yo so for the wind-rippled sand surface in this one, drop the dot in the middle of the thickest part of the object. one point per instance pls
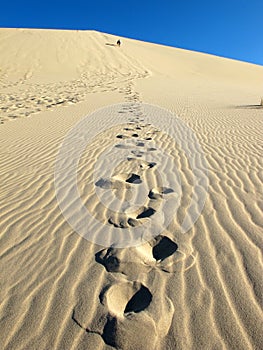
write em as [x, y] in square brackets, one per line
[196, 290]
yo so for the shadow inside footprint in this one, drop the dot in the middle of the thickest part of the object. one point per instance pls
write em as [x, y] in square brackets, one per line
[109, 261]
[164, 247]
[127, 297]
[139, 301]
[134, 179]
[104, 183]
[109, 331]
[123, 146]
[147, 212]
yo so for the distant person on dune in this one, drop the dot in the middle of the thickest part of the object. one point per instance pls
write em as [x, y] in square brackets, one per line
[118, 42]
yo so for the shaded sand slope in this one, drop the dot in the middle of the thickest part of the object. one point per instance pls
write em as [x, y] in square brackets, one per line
[196, 290]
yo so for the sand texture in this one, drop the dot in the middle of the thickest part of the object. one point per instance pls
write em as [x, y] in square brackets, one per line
[199, 289]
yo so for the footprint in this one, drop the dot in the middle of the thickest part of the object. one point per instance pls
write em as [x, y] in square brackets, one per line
[121, 189]
[126, 310]
[143, 164]
[161, 253]
[137, 153]
[146, 213]
[109, 259]
[158, 192]
[123, 146]
[127, 297]
[163, 248]
[130, 178]
[169, 258]
[147, 165]
[119, 222]
[129, 262]
[104, 183]
[122, 136]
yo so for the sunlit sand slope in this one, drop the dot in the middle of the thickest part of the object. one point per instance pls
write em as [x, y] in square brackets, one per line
[200, 289]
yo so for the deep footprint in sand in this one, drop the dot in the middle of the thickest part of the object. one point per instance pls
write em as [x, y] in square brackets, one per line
[126, 309]
[142, 164]
[123, 146]
[159, 192]
[145, 213]
[127, 297]
[137, 153]
[160, 253]
[120, 136]
[131, 178]
[163, 248]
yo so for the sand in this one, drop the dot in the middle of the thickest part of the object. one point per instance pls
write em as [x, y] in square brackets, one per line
[199, 289]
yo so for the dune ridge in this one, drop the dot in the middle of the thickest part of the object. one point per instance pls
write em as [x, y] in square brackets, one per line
[196, 290]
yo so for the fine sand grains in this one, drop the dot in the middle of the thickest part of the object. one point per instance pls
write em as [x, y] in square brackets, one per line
[201, 289]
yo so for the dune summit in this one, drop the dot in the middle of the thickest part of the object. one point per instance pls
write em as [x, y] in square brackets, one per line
[195, 289]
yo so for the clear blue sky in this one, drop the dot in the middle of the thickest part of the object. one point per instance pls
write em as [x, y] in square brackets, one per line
[229, 28]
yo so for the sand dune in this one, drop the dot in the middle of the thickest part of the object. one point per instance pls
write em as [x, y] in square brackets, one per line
[199, 289]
